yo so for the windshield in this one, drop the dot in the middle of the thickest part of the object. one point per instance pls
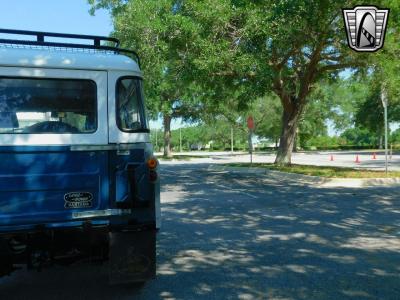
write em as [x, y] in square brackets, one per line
[47, 105]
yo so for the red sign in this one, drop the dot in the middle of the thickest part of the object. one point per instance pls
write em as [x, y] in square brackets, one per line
[250, 123]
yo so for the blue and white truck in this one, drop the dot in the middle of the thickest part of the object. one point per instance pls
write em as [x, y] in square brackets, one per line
[78, 178]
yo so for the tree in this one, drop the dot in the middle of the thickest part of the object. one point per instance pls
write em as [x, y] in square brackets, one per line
[317, 49]
[358, 136]
[281, 46]
[158, 33]
[312, 123]
[194, 135]
[395, 137]
[266, 112]
[370, 113]
[335, 103]
[383, 76]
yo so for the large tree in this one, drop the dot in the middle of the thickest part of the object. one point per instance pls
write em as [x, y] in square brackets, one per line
[157, 31]
[281, 46]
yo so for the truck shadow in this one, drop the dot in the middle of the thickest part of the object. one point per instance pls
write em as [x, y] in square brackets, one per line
[245, 236]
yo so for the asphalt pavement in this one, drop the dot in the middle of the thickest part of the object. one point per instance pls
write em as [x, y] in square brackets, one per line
[245, 236]
[359, 159]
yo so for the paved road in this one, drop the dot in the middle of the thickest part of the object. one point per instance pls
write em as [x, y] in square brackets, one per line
[234, 236]
[318, 158]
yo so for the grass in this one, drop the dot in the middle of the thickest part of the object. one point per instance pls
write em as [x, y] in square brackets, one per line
[323, 171]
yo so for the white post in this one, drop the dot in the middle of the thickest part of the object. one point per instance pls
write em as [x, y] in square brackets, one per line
[231, 140]
[251, 146]
[385, 104]
[180, 139]
[386, 141]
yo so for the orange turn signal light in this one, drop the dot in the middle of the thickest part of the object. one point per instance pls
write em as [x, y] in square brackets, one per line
[152, 163]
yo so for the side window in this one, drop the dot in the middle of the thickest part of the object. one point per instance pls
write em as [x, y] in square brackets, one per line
[45, 105]
[130, 115]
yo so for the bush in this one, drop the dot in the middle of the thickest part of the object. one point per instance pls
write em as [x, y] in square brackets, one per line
[360, 137]
[324, 142]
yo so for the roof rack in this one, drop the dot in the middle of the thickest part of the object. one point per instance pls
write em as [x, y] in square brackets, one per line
[40, 41]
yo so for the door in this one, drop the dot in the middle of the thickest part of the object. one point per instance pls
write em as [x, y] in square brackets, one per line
[42, 114]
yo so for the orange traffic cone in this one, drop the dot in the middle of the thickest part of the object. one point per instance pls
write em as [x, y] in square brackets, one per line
[357, 160]
[374, 155]
[331, 159]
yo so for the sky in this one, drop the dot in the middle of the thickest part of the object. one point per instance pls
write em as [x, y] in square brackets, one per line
[64, 16]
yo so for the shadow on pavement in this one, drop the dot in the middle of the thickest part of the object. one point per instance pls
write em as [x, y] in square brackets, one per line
[240, 236]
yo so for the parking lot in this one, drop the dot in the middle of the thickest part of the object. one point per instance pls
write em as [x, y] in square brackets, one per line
[373, 160]
[241, 236]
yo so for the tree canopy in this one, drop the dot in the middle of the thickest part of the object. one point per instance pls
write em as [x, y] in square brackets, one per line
[201, 62]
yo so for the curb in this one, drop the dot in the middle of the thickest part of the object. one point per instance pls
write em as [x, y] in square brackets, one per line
[315, 180]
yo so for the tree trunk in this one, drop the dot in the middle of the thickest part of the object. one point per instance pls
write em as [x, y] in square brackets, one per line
[295, 142]
[167, 136]
[290, 122]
